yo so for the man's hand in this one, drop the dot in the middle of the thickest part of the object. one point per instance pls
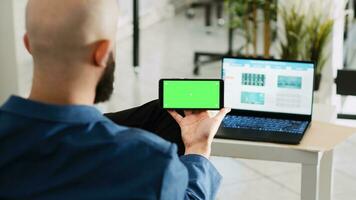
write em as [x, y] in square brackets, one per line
[198, 129]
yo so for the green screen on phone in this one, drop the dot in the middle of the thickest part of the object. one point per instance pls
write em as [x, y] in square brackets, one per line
[190, 94]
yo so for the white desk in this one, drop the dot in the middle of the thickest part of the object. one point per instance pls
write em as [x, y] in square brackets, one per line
[314, 153]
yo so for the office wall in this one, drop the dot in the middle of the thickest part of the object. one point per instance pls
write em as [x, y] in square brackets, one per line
[151, 12]
[8, 57]
[24, 59]
[179, 4]
[15, 62]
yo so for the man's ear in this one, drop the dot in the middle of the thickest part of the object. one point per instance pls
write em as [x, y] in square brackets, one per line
[26, 42]
[101, 53]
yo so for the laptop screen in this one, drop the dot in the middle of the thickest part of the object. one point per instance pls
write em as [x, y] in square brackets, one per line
[268, 85]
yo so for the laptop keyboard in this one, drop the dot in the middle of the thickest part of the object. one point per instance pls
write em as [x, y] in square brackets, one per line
[265, 124]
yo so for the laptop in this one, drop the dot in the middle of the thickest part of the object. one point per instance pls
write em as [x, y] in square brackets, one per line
[271, 100]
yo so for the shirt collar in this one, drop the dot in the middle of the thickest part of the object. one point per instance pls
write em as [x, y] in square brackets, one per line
[49, 112]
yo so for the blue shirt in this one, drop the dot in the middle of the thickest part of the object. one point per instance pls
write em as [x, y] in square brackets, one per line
[74, 152]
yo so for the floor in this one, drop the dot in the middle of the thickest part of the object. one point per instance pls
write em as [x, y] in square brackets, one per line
[167, 51]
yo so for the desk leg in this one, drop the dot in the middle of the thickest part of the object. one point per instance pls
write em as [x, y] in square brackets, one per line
[326, 176]
[310, 182]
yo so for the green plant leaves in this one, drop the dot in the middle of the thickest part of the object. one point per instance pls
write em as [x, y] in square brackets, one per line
[294, 33]
[304, 38]
[244, 17]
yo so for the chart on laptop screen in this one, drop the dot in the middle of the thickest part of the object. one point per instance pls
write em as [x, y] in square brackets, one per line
[269, 86]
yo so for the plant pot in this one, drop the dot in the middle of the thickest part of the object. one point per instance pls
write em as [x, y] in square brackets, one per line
[317, 80]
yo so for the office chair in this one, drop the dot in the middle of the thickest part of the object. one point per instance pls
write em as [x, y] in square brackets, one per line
[354, 8]
[208, 6]
[345, 86]
[204, 57]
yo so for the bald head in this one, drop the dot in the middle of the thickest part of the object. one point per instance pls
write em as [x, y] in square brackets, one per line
[68, 30]
[72, 44]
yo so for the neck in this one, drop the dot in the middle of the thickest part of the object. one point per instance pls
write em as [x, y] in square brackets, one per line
[61, 90]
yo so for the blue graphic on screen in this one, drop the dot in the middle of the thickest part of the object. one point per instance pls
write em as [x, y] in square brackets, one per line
[290, 82]
[253, 79]
[253, 98]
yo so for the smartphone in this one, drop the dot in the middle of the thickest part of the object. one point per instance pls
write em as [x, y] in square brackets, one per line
[191, 94]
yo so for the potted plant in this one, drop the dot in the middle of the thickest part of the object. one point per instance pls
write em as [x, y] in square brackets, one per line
[239, 20]
[245, 20]
[305, 38]
[270, 19]
[292, 33]
[318, 35]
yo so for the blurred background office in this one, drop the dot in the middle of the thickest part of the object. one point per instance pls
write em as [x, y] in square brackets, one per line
[186, 39]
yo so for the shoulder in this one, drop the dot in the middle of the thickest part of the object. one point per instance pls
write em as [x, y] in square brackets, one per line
[127, 137]
[148, 140]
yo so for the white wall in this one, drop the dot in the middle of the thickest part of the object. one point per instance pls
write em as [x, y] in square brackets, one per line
[24, 59]
[151, 11]
[15, 62]
[8, 57]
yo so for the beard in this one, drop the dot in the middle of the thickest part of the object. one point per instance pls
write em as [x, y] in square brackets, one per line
[105, 86]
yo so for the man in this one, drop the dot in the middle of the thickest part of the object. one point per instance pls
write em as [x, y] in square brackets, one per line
[55, 145]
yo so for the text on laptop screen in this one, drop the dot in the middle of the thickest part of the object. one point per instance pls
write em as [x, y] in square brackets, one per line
[268, 86]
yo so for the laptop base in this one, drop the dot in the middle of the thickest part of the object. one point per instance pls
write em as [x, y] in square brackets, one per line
[258, 136]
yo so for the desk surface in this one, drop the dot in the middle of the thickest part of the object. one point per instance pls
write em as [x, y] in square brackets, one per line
[319, 138]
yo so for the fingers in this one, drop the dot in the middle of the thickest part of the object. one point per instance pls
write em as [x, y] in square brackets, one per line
[222, 113]
[213, 113]
[194, 112]
[176, 116]
[188, 112]
[202, 113]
